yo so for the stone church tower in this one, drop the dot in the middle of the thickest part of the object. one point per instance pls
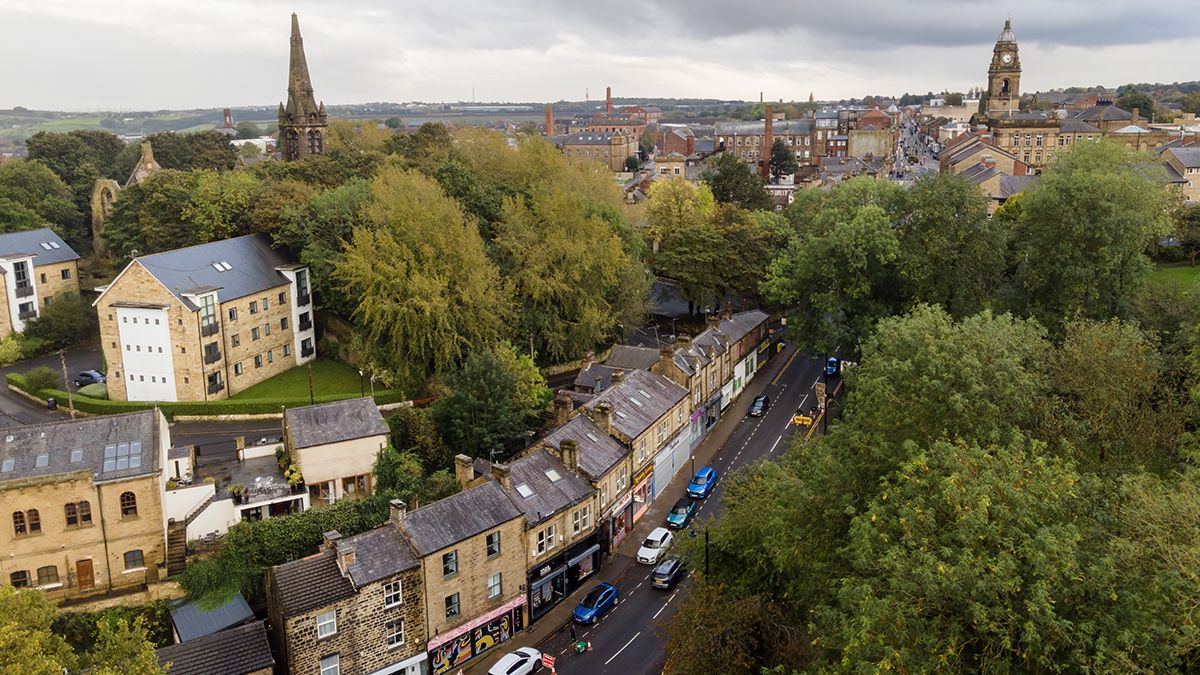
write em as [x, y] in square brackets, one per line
[1004, 76]
[302, 123]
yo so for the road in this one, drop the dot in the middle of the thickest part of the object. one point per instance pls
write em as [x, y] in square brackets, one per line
[630, 638]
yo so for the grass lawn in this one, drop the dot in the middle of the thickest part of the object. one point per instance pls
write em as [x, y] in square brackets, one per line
[1180, 274]
[329, 377]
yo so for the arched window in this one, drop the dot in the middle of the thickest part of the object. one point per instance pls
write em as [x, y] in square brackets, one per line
[85, 513]
[19, 579]
[1004, 86]
[128, 504]
[314, 143]
[72, 515]
[19, 525]
[35, 520]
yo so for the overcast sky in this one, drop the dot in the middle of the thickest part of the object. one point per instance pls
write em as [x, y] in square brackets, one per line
[153, 54]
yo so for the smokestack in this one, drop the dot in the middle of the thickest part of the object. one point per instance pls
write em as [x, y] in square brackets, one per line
[549, 120]
[768, 139]
[691, 145]
[608, 100]
[228, 119]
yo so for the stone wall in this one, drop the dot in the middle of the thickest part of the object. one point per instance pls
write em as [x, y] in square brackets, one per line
[471, 581]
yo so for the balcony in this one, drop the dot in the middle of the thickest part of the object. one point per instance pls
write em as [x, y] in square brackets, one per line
[303, 300]
[210, 329]
[214, 387]
[24, 291]
[306, 352]
[27, 314]
[305, 324]
[212, 356]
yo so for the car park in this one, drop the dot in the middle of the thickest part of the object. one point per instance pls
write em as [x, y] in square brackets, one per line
[518, 662]
[598, 601]
[681, 514]
[87, 377]
[702, 483]
[669, 572]
[654, 546]
[759, 406]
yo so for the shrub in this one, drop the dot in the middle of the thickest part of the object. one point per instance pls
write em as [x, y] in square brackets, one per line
[41, 378]
[80, 629]
[97, 390]
[62, 323]
[11, 349]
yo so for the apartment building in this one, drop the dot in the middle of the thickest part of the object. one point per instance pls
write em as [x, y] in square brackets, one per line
[205, 322]
[82, 503]
[36, 268]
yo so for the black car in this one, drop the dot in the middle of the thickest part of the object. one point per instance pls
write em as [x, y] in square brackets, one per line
[669, 572]
[88, 377]
[759, 406]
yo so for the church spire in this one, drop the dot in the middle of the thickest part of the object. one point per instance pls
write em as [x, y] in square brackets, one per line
[301, 121]
[300, 90]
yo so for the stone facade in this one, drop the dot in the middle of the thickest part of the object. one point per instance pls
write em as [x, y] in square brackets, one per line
[302, 122]
[610, 148]
[36, 268]
[57, 281]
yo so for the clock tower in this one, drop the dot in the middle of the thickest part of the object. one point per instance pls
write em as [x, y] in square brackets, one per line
[1004, 75]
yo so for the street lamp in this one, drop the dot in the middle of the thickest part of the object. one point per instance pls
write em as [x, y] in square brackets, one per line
[362, 387]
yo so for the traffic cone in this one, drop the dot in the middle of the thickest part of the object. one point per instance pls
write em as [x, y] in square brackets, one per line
[589, 647]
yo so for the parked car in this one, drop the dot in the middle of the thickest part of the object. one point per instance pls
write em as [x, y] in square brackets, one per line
[760, 405]
[832, 365]
[702, 483]
[681, 513]
[87, 377]
[655, 545]
[518, 662]
[669, 572]
[598, 601]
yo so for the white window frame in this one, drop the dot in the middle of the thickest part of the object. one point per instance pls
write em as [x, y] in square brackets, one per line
[390, 633]
[328, 667]
[495, 581]
[545, 540]
[324, 621]
[393, 594]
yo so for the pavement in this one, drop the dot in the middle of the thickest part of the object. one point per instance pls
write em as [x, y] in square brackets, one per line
[16, 410]
[630, 638]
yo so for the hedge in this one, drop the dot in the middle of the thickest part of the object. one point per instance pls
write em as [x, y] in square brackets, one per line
[262, 406]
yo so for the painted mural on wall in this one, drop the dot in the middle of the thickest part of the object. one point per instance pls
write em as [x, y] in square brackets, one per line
[474, 642]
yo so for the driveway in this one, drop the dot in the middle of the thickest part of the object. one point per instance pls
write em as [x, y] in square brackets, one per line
[16, 410]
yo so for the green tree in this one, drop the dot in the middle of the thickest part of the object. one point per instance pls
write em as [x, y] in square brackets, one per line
[393, 123]
[209, 149]
[27, 645]
[31, 195]
[414, 429]
[1137, 99]
[123, 647]
[481, 416]
[41, 377]
[67, 321]
[424, 291]
[954, 99]
[1080, 240]
[148, 217]
[398, 474]
[782, 162]
[732, 182]
[674, 205]
[1191, 103]
[246, 130]
[632, 163]
[1186, 226]
[710, 259]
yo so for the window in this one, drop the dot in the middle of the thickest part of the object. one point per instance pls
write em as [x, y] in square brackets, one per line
[237, 368]
[494, 586]
[330, 666]
[19, 527]
[545, 540]
[603, 495]
[450, 564]
[134, 560]
[66, 274]
[394, 630]
[452, 607]
[270, 357]
[266, 329]
[254, 307]
[283, 323]
[282, 298]
[287, 350]
[355, 487]
[582, 519]
[493, 544]
[326, 624]
[265, 304]
[235, 340]
[35, 520]
[393, 594]
[19, 579]
[258, 361]
[208, 315]
[47, 575]
[128, 504]
[233, 313]
[622, 479]
[254, 333]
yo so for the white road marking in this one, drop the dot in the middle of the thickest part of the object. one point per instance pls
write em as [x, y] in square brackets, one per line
[610, 659]
[775, 443]
[660, 611]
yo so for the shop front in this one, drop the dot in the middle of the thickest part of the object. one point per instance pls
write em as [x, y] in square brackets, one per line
[670, 460]
[643, 490]
[559, 576]
[620, 521]
[726, 394]
[476, 637]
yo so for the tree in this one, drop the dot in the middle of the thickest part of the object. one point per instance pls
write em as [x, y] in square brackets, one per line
[398, 474]
[67, 321]
[415, 430]
[1138, 100]
[247, 130]
[1186, 222]
[31, 196]
[149, 216]
[423, 291]
[1080, 240]
[209, 149]
[27, 645]
[782, 162]
[632, 163]
[123, 647]
[710, 259]
[954, 99]
[1191, 103]
[481, 416]
[674, 205]
[732, 182]
[358, 136]
[393, 123]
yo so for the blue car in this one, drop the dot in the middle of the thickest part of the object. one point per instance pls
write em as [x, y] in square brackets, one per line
[831, 366]
[681, 513]
[702, 483]
[598, 601]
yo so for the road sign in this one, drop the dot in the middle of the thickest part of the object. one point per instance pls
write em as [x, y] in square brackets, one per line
[802, 420]
[547, 660]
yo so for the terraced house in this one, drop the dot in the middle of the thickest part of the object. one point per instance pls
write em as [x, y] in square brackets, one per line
[81, 502]
[36, 268]
[205, 322]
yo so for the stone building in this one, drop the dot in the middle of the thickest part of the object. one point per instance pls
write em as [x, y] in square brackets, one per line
[82, 502]
[242, 650]
[355, 608]
[204, 322]
[610, 148]
[302, 122]
[336, 445]
[1184, 162]
[471, 547]
[36, 268]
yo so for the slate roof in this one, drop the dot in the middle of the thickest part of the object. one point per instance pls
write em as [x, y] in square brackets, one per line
[1014, 185]
[46, 246]
[378, 554]
[236, 651]
[639, 400]
[191, 622]
[1173, 176]
[596, 377]
[325, 423]
[458, 517]
[190, 270]
[1077, 126]
[803, 125]
[628, 357]
[310, 583]
[589, 138]
[548, 495]
[1103, 112]
[131, 438]
[598, 452]
[738, 325]
[1188, 156]
[979, 173]
[1033, 116]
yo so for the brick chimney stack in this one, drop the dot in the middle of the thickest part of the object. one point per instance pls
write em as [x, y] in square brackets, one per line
[330, 539]
[397, 512]
[570, 454]
[501, 476]
[691, 145]
[618, 376]
[345, 558]
[464, 471]
[608, 100]
[228, 118]
[549, 120]
[562, 409]
[768, 139]
[603, 419]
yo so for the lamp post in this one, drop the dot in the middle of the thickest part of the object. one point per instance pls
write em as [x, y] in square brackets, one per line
[362, 387]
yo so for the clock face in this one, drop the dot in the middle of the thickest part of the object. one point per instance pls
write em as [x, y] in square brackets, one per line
[1006, 58]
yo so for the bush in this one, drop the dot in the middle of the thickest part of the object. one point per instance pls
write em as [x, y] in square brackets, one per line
[11, 349]
[97, 390]
[41, 378]
[80, 629]
[62, 323]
